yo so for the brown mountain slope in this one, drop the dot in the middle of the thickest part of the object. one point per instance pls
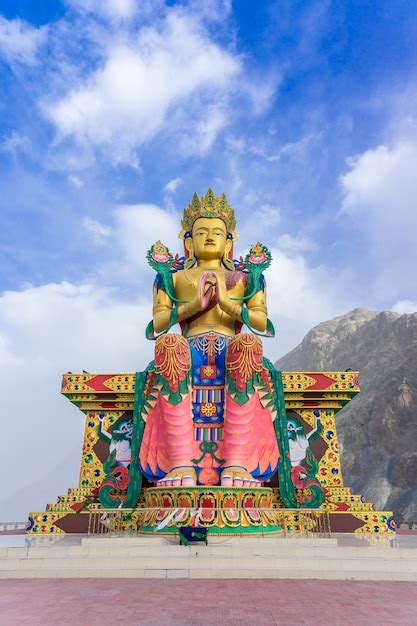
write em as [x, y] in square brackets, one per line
[378, 429]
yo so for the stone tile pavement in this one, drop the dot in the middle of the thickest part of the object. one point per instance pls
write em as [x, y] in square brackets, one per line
[101, 602]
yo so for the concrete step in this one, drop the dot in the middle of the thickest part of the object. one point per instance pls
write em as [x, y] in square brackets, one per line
[157, 557]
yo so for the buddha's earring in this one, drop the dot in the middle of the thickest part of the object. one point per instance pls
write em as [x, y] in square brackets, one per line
[227, 262]
[190, 261]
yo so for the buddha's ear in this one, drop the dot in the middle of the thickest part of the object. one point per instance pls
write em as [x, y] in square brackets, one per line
[191, 260]
[227, 262]
[228, 246]
[188, 245]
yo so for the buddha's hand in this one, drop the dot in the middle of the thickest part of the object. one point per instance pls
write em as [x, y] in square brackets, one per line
[207, 289]
[226, 304]
[206, 292]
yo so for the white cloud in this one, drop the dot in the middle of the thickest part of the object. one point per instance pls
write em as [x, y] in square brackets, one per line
[377, 176]
[261, 90]
[169, 189]
[45, 331]
[211, 10]
[404, 306]
[136, 228]
[380, 190]
[15, 143]
[98, 232]
[160, 78]
[301, 296]
[237, 144]
[270, 150]
[173, 184]
[293, 149]
[262, 220]
[113, 9]
[202, 132]
[20, 41]
[75, 181]
[292, 244]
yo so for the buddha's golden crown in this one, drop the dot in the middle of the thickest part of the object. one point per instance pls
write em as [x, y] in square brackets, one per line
[209, 205]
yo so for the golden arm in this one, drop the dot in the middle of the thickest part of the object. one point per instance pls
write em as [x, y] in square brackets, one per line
[161, 310]
[257, 311]
[162, 306]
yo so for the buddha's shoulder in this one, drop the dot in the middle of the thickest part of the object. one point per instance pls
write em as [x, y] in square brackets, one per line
[236, 272]
[236, 276]
[185, 276]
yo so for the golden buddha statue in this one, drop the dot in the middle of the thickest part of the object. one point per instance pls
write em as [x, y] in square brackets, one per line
[203, 286]
[206, 393]
[209, 410]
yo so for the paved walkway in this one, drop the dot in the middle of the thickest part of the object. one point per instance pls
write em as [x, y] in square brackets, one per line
[196, 603]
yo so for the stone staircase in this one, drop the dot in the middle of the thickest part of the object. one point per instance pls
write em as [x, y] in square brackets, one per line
[235, 557]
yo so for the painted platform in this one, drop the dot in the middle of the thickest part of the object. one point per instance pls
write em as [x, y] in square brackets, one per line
[108, 398]
[336, 558]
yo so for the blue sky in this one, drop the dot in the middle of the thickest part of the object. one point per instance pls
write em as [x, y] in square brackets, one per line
[112, 113]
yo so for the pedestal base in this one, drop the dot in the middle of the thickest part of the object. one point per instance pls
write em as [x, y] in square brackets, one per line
[225, 510]
[228, 510]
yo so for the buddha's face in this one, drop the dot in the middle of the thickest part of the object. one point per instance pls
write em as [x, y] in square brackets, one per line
[209, 238]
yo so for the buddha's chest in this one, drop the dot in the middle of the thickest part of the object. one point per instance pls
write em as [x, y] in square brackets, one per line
[186, 283]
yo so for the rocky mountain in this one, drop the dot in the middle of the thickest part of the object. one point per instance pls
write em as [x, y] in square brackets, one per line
[378, 429]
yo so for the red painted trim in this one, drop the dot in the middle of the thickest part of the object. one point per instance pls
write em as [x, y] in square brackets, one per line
[97, 383]
[322, 381]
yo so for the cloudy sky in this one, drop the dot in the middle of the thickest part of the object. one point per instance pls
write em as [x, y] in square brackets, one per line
[113, 112]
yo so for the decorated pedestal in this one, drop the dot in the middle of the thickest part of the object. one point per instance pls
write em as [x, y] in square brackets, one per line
[107, 400]
[225, 510]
